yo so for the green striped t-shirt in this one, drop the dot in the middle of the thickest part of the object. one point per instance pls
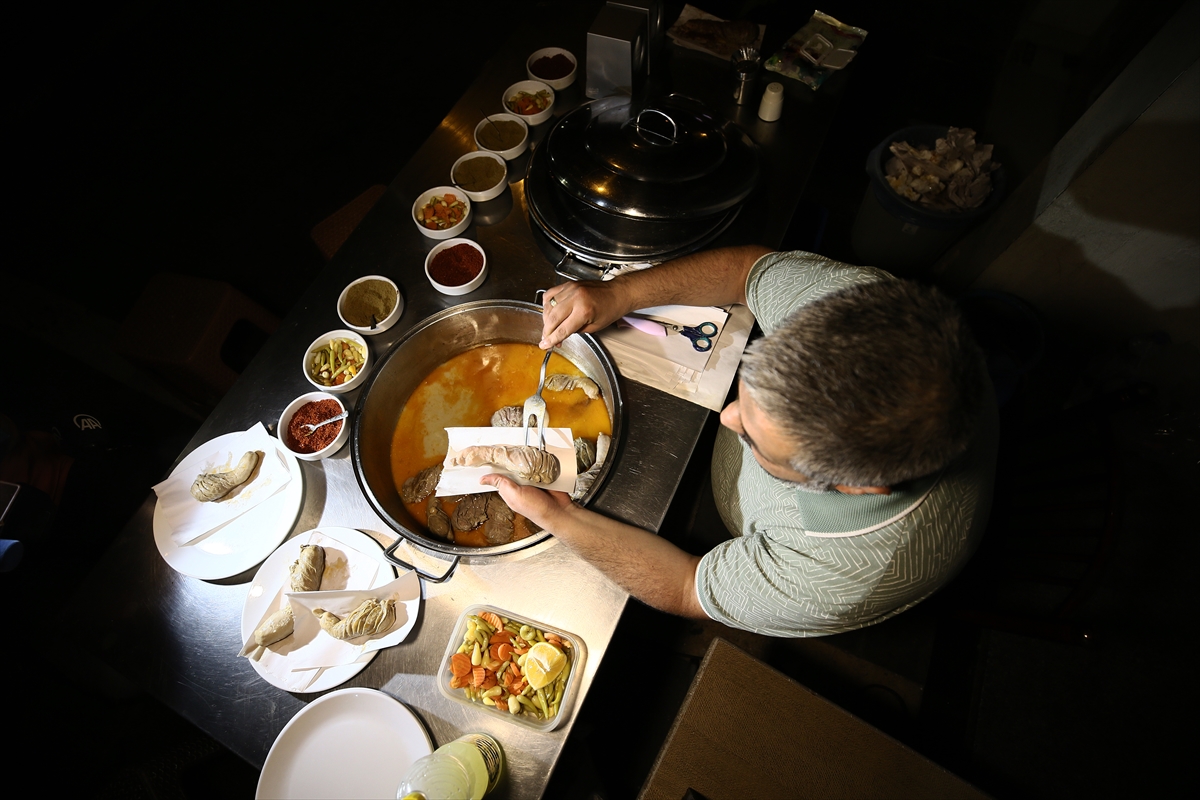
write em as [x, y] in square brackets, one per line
[805, 564]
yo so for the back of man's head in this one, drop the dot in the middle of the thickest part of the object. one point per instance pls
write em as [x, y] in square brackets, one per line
[875, 384]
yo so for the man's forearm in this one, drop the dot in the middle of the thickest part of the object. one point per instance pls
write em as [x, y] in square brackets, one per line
[707, 278]
[650, 568]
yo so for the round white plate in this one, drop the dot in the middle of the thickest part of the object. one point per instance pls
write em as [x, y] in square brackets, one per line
[352, 743]
[270, 578]
[242, 542]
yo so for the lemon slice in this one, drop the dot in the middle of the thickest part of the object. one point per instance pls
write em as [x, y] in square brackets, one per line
[543, 663]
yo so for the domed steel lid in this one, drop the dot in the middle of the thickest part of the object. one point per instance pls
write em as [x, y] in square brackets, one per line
[671, 160]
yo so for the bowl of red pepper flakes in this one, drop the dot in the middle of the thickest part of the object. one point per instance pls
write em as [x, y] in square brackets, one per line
[310, 409]
[553, 66]
[456, 266]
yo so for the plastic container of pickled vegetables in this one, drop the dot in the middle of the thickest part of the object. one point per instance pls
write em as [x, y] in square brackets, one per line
[541, 710]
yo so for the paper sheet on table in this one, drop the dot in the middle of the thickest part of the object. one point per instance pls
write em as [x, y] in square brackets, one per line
[674, 347]
[188, 517]
[326, 651]
[465, 480]
[681, 38]
[707, 387]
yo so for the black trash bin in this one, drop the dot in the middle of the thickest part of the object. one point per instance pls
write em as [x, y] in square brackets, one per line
[896, 234]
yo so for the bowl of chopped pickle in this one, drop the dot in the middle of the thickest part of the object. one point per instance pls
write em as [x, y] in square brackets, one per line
[511, 666]
[443, 212]
[506, 135]
[532, 100]
[481, 175]
[336, 361]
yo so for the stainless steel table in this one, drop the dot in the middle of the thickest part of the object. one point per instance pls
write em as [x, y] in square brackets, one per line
[178, 637]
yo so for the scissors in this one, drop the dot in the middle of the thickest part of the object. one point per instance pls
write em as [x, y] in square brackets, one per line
[701, 335]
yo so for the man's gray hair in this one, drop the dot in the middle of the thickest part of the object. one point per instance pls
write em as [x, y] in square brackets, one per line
[875, 384]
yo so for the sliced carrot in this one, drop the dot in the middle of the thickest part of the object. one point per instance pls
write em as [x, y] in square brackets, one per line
[460, 664]
[502, 651]
[460, 682]
[501, 636]
[514, 669]
[477, 675]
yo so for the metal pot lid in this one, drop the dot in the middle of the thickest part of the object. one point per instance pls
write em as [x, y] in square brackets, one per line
[672, 160]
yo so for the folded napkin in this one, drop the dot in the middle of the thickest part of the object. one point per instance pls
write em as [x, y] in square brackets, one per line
[188, 517]
[674, 347]
[465, 480]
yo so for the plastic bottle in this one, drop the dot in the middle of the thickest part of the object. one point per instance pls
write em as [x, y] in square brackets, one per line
[465, 769]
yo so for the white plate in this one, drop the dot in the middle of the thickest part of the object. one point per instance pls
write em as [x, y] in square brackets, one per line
[352, 743]
[264, 592]
[242, 542]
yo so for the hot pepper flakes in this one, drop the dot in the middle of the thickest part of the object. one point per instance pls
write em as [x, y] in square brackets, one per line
[456, 265]
[298, 438]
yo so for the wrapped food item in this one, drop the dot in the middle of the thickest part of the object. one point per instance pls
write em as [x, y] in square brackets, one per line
[823, 46]
[207, 488]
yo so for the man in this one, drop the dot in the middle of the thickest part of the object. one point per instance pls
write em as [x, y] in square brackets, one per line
[854, 469]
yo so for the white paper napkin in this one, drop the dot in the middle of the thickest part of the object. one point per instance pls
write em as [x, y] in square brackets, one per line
[188, 517]
[465, 480]
[674, 347]
[325, 651]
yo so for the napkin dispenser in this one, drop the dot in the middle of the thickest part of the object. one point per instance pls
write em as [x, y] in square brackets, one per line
[656, 29]
[616, 52]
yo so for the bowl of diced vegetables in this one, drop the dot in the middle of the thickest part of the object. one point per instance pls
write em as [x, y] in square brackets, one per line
[443, 212]
[336, 361]
[511, 666]
[533, 101]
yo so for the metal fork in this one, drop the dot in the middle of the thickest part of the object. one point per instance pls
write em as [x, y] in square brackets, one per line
[535, 408]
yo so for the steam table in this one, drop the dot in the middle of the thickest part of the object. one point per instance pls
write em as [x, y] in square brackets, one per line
[178, 636]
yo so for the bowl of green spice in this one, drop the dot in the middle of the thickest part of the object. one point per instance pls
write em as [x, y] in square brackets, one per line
[481, 175]
[370, 305]
[506, 135]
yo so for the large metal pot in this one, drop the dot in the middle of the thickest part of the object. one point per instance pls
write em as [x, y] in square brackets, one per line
[429, 344]
[614, 184]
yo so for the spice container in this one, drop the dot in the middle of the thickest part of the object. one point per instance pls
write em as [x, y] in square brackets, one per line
[312, 408]
[370, 296]
[571, 646]
[482, 175]
[506, 135]
[456, 266]
[553, 66]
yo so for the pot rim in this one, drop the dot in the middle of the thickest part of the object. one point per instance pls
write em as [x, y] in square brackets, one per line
[425, 541]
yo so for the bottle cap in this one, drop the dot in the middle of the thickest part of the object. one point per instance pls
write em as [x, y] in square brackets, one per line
[772, 103]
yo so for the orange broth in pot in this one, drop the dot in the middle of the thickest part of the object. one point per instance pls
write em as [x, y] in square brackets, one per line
[464, 392]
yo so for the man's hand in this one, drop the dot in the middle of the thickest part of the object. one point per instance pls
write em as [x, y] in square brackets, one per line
[586, 306]
[535, 504]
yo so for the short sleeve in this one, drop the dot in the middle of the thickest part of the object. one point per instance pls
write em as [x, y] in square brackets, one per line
[779, 283]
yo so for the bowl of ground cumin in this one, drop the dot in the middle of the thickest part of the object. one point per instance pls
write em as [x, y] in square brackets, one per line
[370, 305]
[310, 409]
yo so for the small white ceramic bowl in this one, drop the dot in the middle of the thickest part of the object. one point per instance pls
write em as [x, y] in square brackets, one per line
[486, 194]
[467, 287]
[557, 84]
[532, 87]
[445, 233]
[322, 342]
[512, 152]
[381, 325]
[285, 419]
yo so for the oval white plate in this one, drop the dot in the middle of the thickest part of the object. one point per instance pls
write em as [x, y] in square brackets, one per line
[242, 542]
[270, 578]
[352, 743]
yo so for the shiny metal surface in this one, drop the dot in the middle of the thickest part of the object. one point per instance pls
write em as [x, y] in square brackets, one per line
[428, 345]
[178, 637]
[670, 160]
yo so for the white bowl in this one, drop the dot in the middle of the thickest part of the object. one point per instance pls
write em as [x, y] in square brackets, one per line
[285, 419]
[381, 325]
[532, 87]
[557, 84]
[512, 152]
[467, 287]
[322, 342]
[453, 230]
[486, 194]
